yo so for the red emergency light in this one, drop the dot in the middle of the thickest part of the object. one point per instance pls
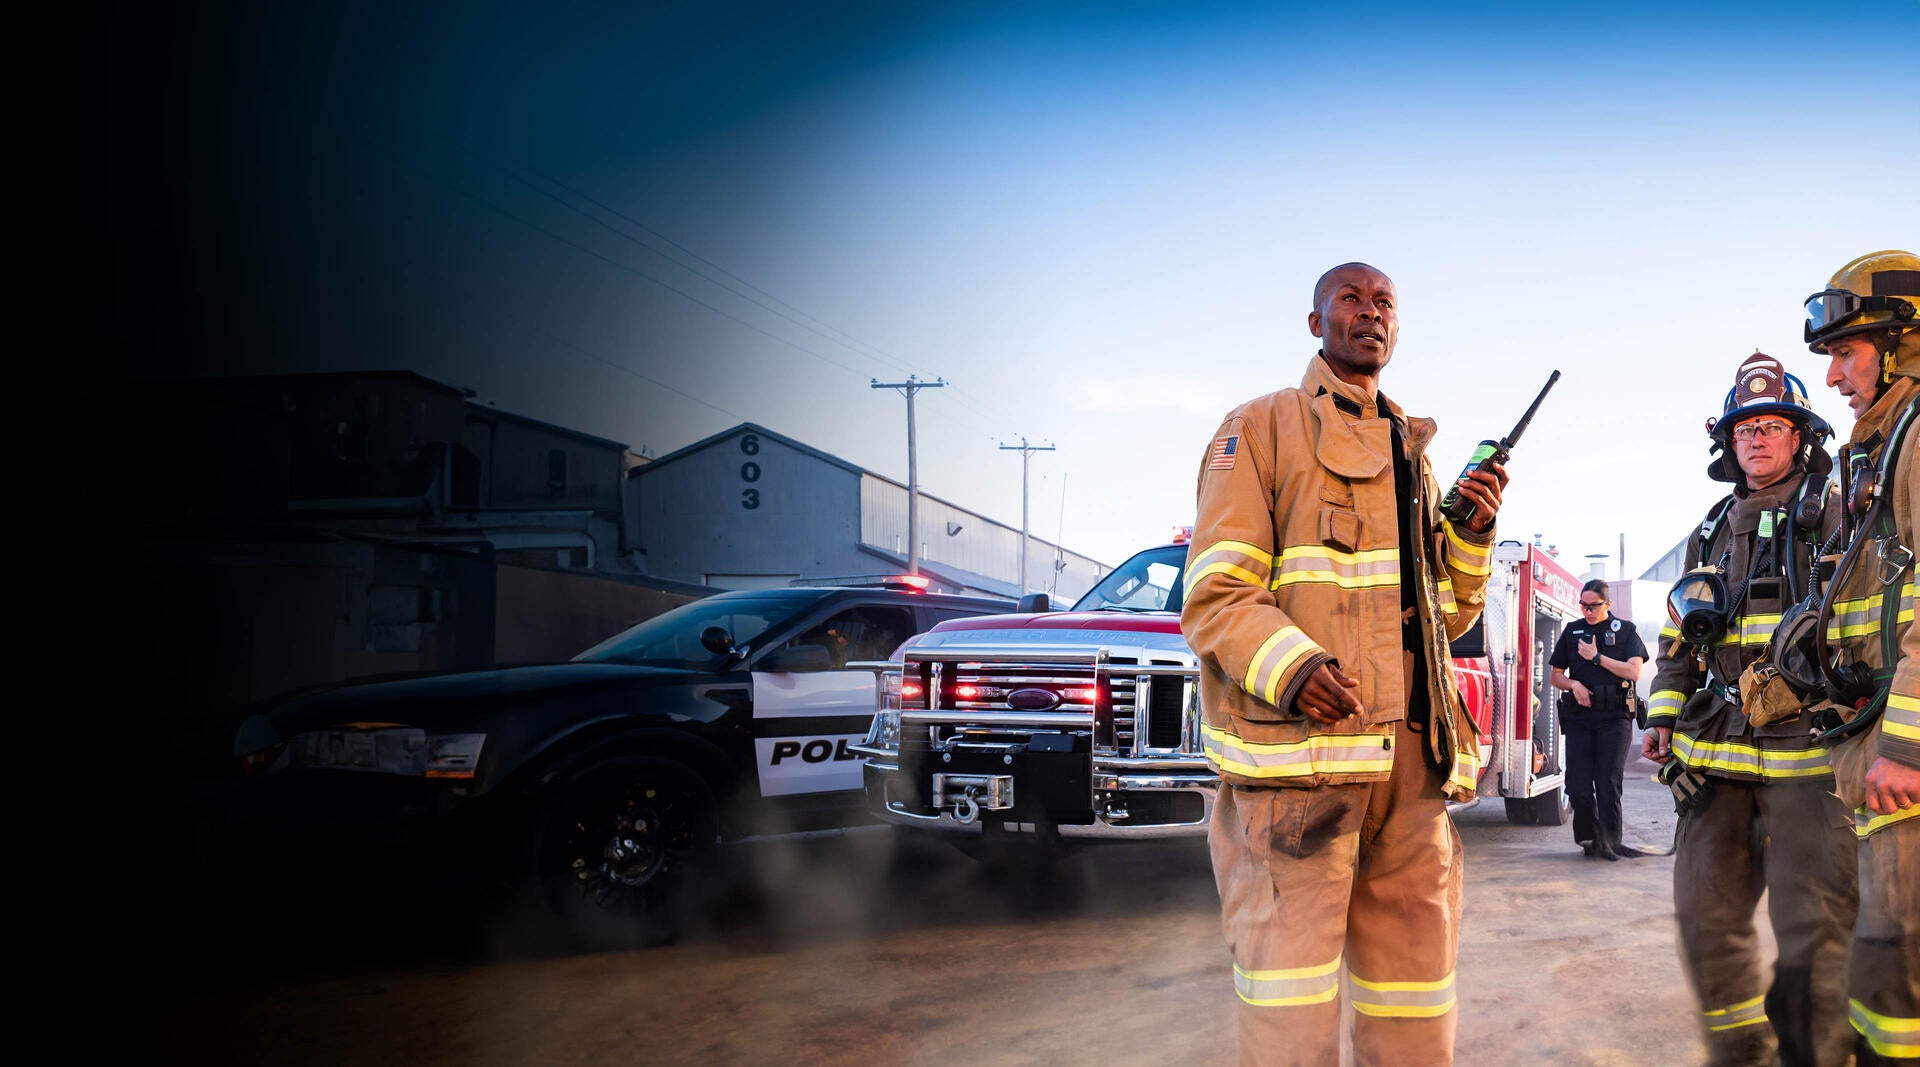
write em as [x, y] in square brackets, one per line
[1182, 534]
[914, 582]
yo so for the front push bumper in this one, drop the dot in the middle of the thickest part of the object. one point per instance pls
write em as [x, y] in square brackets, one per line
[1134, 798]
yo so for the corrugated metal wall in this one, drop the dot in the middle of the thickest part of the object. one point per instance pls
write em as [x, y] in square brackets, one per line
[981, 545]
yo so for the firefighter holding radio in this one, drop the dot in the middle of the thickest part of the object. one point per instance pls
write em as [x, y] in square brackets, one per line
[1754, 788]
[1865, 323]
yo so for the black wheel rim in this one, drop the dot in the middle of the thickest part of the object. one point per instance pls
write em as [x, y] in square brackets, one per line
[621, 850]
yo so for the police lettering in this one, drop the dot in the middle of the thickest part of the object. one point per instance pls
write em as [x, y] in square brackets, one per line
[814, 750]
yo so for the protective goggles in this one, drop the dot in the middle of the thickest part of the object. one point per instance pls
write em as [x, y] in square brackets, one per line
[1830, 308]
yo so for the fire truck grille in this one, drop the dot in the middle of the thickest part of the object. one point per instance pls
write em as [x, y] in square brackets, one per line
[1166, 704]
[989, 686]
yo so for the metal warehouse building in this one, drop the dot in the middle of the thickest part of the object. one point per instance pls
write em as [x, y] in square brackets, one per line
[749, 508]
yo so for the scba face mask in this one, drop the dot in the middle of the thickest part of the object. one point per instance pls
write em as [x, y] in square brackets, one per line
[1698, 606]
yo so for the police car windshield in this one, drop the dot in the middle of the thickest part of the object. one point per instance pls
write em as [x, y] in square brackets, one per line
[673, 639]
[1150, 581]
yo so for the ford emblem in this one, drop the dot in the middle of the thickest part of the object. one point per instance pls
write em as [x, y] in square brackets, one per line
[1033, 700]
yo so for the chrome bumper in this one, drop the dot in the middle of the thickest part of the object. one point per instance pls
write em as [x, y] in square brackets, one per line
[1114, 781]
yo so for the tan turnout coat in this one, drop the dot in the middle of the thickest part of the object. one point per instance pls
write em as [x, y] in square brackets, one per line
[1295, 562]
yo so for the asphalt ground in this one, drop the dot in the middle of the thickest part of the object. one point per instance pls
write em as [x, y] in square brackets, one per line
[868, 946]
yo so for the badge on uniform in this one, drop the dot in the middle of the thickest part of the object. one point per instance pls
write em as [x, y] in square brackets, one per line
[1616, 626]
[1224, 449]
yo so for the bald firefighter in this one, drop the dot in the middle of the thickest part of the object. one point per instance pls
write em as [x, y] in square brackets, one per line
[1323, 585]
[1754, 787]
[1865, 322]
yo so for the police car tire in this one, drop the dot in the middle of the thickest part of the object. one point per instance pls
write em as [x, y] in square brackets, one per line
[658, 805]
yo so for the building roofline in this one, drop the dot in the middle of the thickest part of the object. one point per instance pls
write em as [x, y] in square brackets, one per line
[747, 427]
[483, 410]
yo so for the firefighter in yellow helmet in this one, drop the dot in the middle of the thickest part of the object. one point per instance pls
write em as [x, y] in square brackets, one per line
[1322, 588]
[1865, 322]
[1755, 789]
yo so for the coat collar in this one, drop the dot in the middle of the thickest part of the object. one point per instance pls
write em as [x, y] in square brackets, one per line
[1884, 412]
[1353, 440]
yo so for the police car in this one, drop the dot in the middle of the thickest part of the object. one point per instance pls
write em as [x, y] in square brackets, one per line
[609, 778]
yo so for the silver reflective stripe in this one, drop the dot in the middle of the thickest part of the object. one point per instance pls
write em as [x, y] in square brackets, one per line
[1317, 754]
[1271, 660]
[1892, 1037]
[1746, 759]
[1348, 570]
[1745, 1013]
[1288, 988]
[1858, 618]
[1902, 717]
[1665, 702]
[1405, 1000]
[1235, 559]
[1465, 556]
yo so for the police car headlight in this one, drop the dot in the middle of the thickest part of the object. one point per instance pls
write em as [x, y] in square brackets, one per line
[453, 755]
[885, 731]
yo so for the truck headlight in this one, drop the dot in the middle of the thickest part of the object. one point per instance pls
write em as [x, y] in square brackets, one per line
[885, 731]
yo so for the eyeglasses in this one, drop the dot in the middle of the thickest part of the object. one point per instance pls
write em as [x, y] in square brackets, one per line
[1592, 605]
[1765, 430]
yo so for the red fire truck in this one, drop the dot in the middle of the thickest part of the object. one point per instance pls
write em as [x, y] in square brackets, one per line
[1085, 724]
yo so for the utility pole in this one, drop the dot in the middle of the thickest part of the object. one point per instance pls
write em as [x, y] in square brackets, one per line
[1026, 452]
[907, 388]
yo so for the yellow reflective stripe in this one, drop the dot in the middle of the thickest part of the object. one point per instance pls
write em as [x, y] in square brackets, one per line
[1317, 754]
[1370, 569]
[1902, 717]
[1859, 618]
[1745, 1013]
[1767, 763]
[1403, 1000]
[1865, 822]
[1465, 556]
[1269, 664]
[1750, 630]
[1890, 1035]
[1466, 770]
[1447, 604]
[1235, 559]
[1287, 988]
[1665, 702]
[1670, 631]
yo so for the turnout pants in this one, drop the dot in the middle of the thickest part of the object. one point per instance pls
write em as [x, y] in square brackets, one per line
[1885, 983]
[1795, 841]
[1596, 760]
[1361, 879]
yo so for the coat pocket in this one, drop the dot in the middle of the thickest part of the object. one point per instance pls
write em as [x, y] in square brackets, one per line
[1339, 528]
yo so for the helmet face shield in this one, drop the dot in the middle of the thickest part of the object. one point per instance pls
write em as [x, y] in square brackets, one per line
[1829, 308]
[1698, 606]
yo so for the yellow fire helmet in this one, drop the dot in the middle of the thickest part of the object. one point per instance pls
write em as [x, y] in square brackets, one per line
[1876, 294]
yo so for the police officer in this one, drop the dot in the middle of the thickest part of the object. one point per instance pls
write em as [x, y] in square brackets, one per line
[1597, 661]
[1758, 811]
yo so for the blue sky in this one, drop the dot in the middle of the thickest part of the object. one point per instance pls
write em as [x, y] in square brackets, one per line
[1101, 228]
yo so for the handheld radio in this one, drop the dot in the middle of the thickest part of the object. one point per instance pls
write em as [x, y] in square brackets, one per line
[1486, 454]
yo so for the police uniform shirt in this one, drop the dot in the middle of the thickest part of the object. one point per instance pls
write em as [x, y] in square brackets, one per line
[1613, 638]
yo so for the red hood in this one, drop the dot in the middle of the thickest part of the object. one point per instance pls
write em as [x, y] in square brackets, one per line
[1159, 622]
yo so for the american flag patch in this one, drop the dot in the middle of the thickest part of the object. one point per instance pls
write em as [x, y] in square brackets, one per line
[1224, 448]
